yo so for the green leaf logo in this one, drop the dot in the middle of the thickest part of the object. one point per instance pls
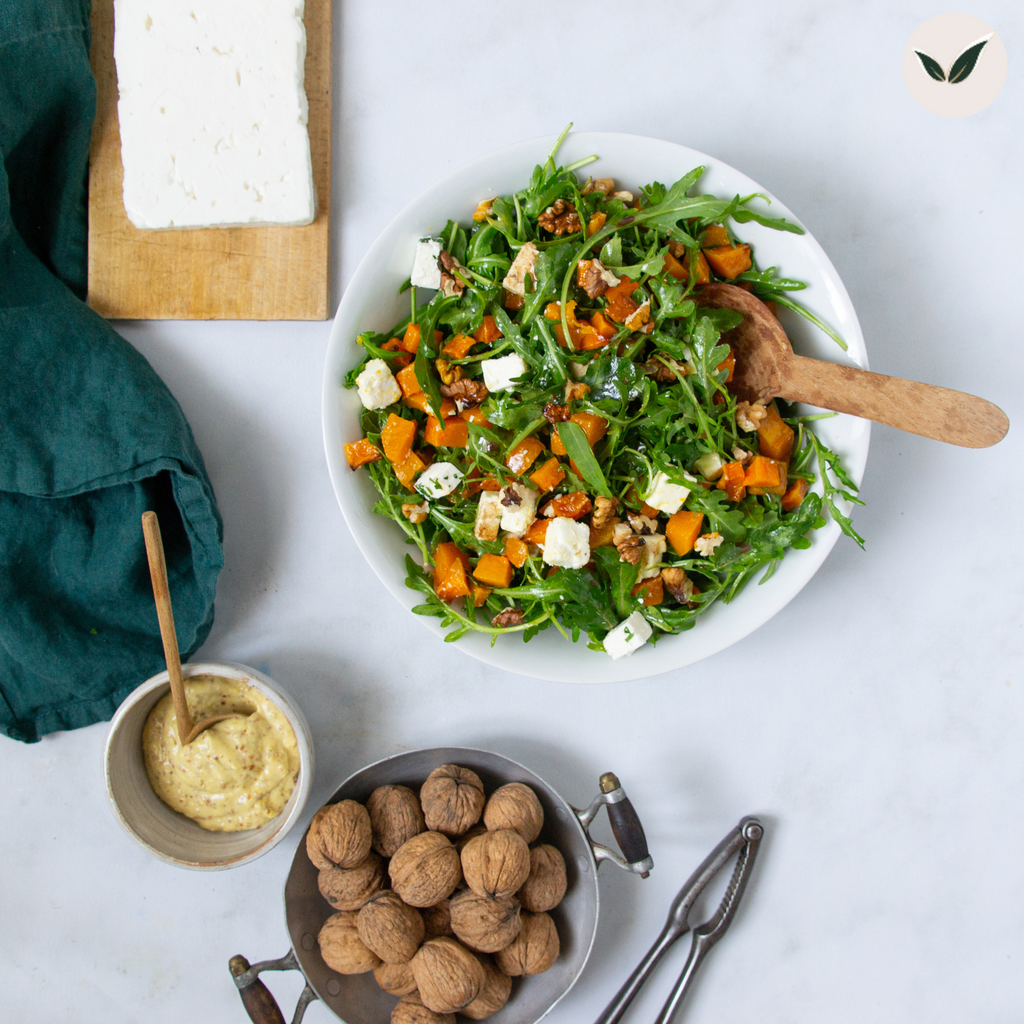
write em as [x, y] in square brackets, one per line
[960, 68]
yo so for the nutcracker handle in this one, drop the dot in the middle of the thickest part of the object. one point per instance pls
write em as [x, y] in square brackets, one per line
[626, 827]
[256, 997]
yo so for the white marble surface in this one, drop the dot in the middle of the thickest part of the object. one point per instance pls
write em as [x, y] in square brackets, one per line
[875, 723]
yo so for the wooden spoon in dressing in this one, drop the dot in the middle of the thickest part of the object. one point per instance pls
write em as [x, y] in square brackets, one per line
[187, 730]
[766, 367]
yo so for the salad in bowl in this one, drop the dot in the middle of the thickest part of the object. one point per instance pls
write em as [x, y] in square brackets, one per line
[548, 424]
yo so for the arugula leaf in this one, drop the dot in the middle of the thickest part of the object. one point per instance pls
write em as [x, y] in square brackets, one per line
[622, 577]
[580, 452]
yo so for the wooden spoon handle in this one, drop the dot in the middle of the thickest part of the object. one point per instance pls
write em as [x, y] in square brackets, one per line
[951, 416]
[162, 596]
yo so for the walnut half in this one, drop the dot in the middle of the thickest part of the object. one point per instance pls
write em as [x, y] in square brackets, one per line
[560, 218]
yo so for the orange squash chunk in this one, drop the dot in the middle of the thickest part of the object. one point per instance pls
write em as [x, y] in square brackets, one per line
[731, 481]
[454, 433]
[523, 456]
[394, 345]
[729, 260]
[537, 532]
[450, 565]
[407, 470]
[516, 551]
[675, 268]
[581, 334]
[595, 427]
[572, 506]
[595, 223]
[621, 305]
[601, 536]
[474, 414]
[488, 331]
[494, 570]
[480, 595]
[458, 347]
[407, 381]
[514, 301]
[714, 237]
[775, 436]
[549, 476]
[652, 591]
[397, 436]
[762, 472]
[683, 529]
[794, 495]
[359, 453]
[728, 363]
[604, 327]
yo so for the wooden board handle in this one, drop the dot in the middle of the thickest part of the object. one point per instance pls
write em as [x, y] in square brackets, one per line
[940, 413]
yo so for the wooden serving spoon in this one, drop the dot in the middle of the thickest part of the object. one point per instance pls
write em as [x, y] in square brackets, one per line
[766, 366]
[187, 729]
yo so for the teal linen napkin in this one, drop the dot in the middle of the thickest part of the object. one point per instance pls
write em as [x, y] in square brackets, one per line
[90, 437]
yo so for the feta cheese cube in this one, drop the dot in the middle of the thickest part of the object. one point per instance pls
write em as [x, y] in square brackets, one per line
[439, 479]
[628, 636]
[517, 516]
[488, 516]
[666, 496]
[212, 113]
[709, 466]
[567, 543]
[377, 386]
[425, 271]
[500, 373]
[515, 279]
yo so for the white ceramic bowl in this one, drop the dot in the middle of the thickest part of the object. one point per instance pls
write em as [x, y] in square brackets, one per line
[371, 301]
[169, 835]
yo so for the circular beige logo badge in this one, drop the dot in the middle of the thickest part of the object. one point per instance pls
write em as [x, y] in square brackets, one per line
[954, 65]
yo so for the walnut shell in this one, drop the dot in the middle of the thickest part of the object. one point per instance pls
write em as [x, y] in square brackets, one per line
[395, 817]
[438, 919]
[452, 799]
[410, 1010]
[425, 870]
[545, 887]
[496, 863]
[342, 949]
[477, 830]
[493, 996]
[395, 979]
[483, 923]
[447, 975]
[350, 888]
[515, 806]
[533, 950]
[339, 834]
[391, 928]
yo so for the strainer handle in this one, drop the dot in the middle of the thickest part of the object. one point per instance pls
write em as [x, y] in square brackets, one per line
[256, 997]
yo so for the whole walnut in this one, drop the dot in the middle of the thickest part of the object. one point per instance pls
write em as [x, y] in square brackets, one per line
[515, 806]
[350, 888]
[533, 950]
[339, 834]
[395, 817]
[484, 923]
[545, 887]
[391, 928]
[395, 979]
[342, 949]
[410, 1010]
[477, 830]
[493, 996]
[496, 863]
[425, 870]
[452, 799]
[438, 919]
[447, 975]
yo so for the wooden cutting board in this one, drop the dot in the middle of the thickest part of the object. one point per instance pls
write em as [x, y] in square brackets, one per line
[264, 273]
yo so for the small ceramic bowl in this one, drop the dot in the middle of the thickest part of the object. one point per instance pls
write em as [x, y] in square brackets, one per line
[169, 835]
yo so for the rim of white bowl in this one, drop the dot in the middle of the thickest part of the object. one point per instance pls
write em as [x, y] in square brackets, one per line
[288, 818]
[794, 572]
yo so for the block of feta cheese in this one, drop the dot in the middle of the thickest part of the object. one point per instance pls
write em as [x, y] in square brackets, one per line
[438, 480]
[518, 515]
[212, 112]
[501, 372]
[488, 516]
[425, 271]
[567, 543]
[666, 496]
[377, 386]
[628, 636]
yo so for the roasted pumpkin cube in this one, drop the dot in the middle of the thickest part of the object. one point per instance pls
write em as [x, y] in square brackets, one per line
[494, 570]
[360, 452]
[683, 529]
[523, 456]
[775, 436]
[397, 436]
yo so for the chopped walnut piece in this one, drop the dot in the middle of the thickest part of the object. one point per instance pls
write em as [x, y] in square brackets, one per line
[741, 454]
[604, 509]
[515, 279]
[510, 497]
[602, 185]
[596, 278]
[664, 368]
[621, 532]
[677, 249]
[623, 195]
[554, 413]
[640, 316]
[749, 416]
[509, 617]
[465, 393]
[631, 549]
[574, 390]
[450, 284]
[642, 524]
[678, 584]
[449, 374]
[415, 513]
[706, 543]
[560, 218]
